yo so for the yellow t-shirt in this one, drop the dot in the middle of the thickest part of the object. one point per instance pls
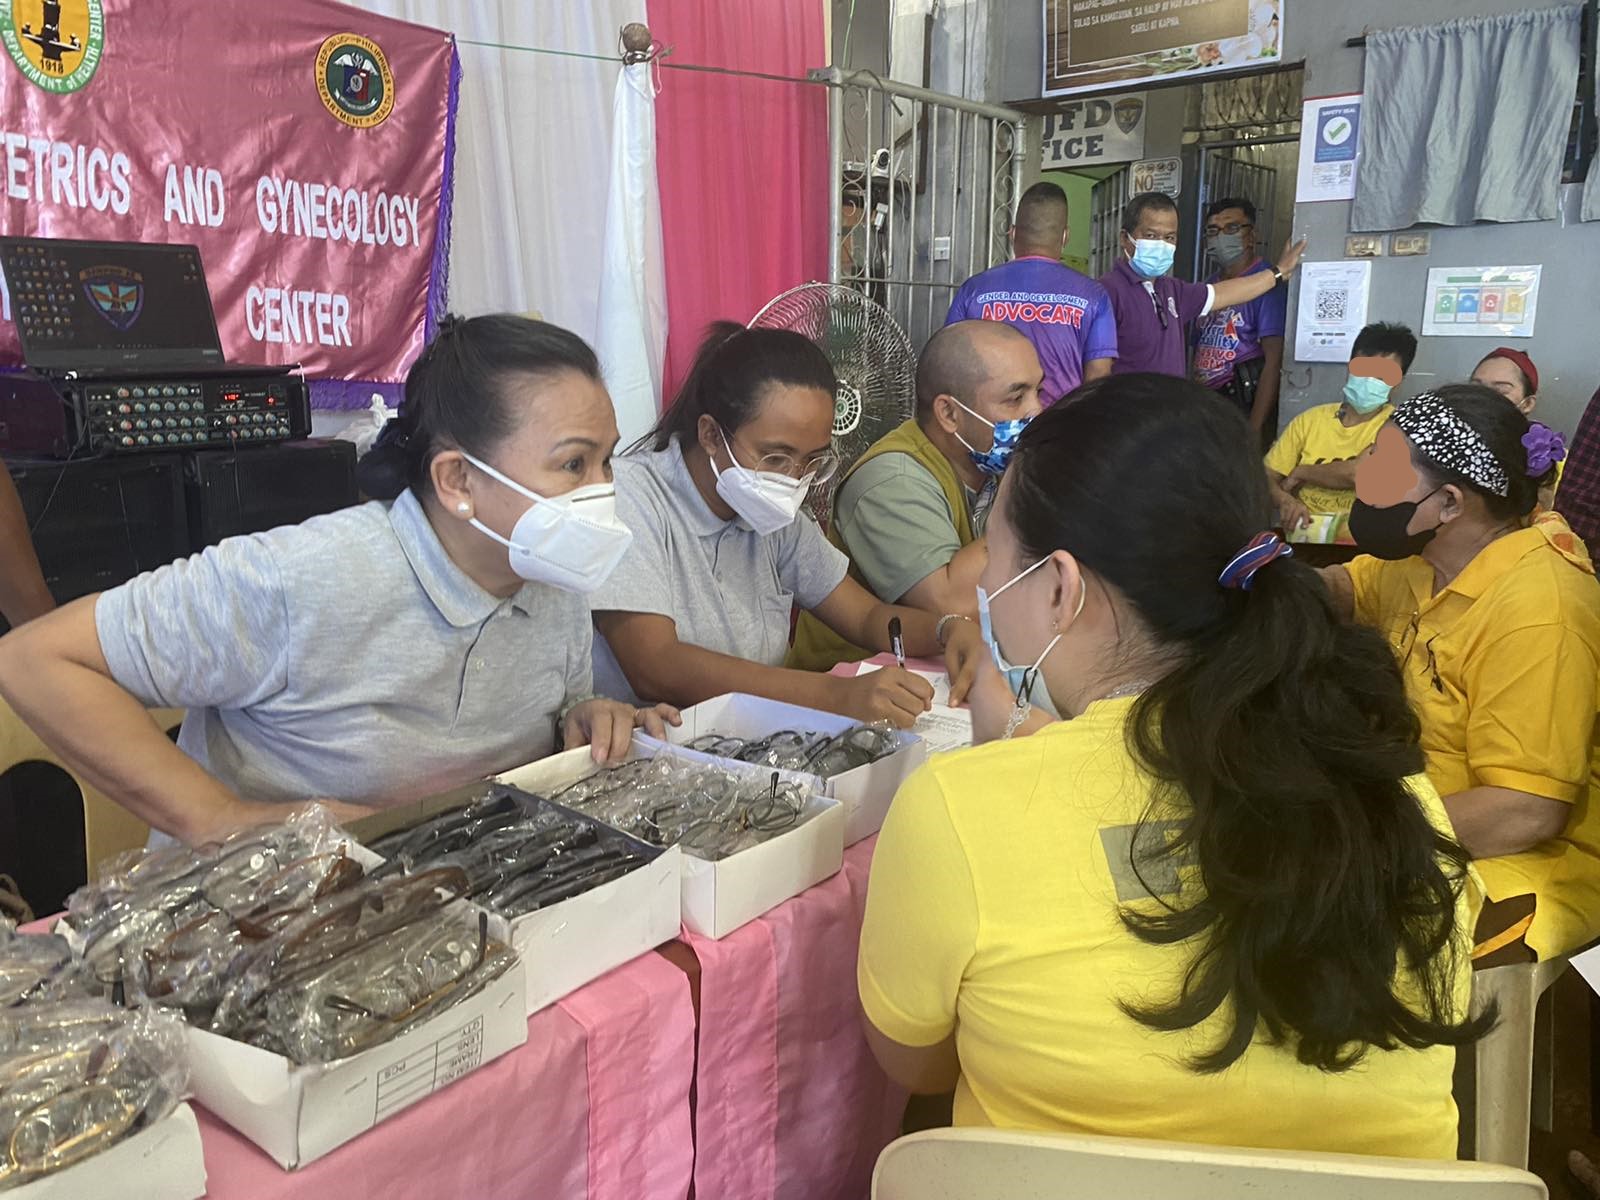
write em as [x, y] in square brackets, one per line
[992, 913]
[1318, 436]
[1503, 668]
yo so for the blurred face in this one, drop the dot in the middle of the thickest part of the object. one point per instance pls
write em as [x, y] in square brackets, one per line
[1387, 476]
[565, 434]
[789, 433]
[1505, 377]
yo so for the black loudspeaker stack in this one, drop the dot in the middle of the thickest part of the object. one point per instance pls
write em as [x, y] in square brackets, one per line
[99, 522]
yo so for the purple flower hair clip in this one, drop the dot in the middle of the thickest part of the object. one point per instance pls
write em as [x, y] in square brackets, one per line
[1545, 448]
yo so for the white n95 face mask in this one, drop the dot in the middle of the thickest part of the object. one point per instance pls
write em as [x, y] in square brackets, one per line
[765, 501]
[572, 542]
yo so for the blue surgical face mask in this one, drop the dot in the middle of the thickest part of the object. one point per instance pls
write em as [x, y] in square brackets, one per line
[1019, 679]
[1152, 259]
[1366, 395]
[993, 460]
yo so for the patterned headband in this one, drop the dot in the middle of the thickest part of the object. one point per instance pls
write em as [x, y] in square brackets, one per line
[1434, 428]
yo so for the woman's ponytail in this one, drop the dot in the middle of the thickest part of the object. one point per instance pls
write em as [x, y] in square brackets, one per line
[1279, 739]
[1286, 738]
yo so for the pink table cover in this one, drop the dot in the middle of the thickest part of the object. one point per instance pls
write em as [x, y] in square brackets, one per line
[596, 1104]
[790, 1103]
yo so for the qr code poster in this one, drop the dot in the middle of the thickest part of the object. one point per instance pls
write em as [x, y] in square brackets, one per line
[1332, 310]
[1491, 302]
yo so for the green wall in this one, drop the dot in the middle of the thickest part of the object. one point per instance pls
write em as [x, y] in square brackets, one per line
[1078, 186]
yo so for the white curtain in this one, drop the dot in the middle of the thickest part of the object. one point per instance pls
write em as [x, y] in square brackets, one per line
[535, 158]
[631, 337]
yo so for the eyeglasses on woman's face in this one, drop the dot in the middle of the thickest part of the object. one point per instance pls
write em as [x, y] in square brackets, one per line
[821, 466]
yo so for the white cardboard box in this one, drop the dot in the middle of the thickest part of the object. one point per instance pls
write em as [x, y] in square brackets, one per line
[865, 792]
[579, 940]
[719, 897]
[297, 1113]
[575, 942]
[163, 1162]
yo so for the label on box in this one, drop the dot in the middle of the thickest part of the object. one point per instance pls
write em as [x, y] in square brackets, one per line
[428, 1068]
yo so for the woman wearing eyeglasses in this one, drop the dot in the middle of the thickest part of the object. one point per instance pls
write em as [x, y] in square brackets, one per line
[1496, 622]
[1215, 905]
[375, 655]
[723, 553]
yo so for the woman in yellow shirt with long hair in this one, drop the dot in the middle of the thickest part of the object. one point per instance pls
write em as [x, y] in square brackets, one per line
[1495, 618]
[1216, 904]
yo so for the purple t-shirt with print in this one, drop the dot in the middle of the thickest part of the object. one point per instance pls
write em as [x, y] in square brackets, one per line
[1153, 320]
[1228, 337]
[1067, 316]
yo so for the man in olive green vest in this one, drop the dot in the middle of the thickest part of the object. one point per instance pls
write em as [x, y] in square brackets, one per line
[910, 511]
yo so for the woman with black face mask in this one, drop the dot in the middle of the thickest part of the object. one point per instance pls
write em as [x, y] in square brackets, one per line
[1496, 621]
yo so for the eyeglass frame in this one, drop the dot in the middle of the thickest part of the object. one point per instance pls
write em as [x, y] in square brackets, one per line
[1229, 229]
[822, 466]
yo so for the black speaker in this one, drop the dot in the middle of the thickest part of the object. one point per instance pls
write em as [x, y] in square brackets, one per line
[99, 522]
[260, 488]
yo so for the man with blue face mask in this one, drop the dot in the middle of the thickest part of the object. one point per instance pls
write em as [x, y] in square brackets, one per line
[1311, 468]
[910, 511]
[1154, 310]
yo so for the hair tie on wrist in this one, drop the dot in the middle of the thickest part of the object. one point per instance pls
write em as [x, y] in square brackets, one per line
[1545, 448]
[1265, 548]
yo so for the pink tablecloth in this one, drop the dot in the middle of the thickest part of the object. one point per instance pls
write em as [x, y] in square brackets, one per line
[595, 1105]
[790, 1103]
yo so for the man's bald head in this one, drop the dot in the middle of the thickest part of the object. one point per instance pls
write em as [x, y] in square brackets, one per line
[962, 358]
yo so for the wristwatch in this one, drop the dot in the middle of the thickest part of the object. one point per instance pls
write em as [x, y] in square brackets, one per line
[1279, 275]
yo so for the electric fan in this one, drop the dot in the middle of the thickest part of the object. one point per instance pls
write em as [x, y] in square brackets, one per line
[871, 356]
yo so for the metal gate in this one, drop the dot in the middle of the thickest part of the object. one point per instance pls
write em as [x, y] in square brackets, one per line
[922, 188]
[1106, 201]
[1236, 170]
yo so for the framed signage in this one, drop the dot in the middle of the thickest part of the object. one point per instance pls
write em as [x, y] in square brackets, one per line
[1096, 45]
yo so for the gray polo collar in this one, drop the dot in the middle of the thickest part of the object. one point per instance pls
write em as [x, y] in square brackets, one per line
[459, 600]
[692, 506]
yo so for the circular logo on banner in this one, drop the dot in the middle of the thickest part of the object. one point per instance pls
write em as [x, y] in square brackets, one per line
[354, 80]
[57, 44]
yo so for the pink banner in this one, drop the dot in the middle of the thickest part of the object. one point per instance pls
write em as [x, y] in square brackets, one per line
[302, 145]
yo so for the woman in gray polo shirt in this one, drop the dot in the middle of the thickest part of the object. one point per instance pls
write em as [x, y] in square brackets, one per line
[374, 655]
[722, 554]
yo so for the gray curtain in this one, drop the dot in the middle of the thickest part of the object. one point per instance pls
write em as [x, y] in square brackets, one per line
[1467, 121]
[1591, 185]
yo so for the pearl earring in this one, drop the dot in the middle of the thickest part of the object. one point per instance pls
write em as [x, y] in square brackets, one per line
[463, 508]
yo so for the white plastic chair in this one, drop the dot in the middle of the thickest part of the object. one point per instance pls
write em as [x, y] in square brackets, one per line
[990, 1164]
[1511, 1084]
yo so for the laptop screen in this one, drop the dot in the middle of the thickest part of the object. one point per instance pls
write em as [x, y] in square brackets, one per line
[92, 306]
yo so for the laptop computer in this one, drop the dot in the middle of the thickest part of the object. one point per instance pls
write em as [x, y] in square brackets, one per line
[98, 308]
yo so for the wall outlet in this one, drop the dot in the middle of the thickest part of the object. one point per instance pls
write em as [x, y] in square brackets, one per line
[941, 249]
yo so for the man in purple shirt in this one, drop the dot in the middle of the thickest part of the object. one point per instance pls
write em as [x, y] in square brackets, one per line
[1067, 316]
[1238, 349]
[1153, 309]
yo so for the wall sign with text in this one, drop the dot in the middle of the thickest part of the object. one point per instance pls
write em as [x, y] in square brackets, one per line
[301, 146]
[1109, 129]
[1093, 45]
